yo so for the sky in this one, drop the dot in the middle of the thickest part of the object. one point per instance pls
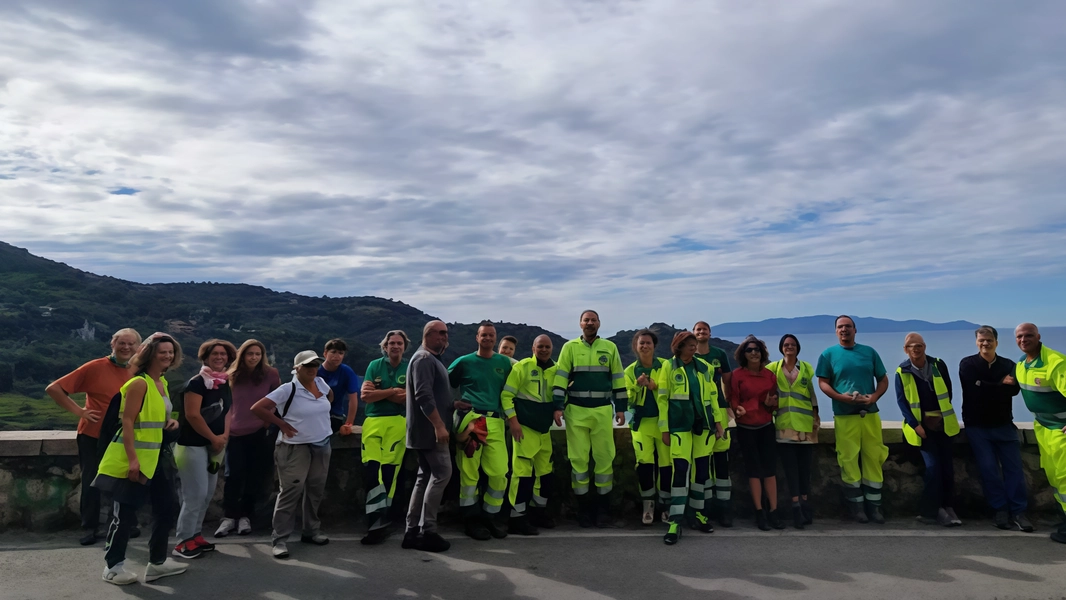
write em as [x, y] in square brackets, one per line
[521, 161]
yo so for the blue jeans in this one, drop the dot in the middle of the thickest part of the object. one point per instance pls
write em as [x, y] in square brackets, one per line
[997, 448]
[939, 473]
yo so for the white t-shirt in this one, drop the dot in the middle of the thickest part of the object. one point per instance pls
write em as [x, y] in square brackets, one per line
[307, 414]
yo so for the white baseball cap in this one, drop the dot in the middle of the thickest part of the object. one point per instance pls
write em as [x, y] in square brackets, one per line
[306, 357]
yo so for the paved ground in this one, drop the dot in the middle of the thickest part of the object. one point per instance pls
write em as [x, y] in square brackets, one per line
[899, 560]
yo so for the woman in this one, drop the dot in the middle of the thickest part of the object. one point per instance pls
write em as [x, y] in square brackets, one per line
[690, 420]
[136, 467]
[250, 451]
[796, 422]
[204, 431]
[300, 410]
[753, 397]
[648, 446]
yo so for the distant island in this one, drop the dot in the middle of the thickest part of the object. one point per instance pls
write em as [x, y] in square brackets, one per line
[824, 324]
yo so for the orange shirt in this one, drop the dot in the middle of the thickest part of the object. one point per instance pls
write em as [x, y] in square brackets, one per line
[99, 379]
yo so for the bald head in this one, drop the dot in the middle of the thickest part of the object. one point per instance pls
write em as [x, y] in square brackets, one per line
[914, 346]
[435, 336]
[542, 347]
[1028, 338]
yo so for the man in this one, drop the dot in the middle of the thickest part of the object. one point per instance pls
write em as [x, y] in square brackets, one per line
[429, 407]
[508, 345]
[923, 392]
[343, 381]
[1041, 373]
[988, 390]
[588, 377]
[853, 377]
[530, 408]
[480, 377]
[100, 380]
[385, 395]
[723, 486]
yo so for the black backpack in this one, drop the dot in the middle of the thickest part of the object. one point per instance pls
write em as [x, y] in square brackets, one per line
[274, 430]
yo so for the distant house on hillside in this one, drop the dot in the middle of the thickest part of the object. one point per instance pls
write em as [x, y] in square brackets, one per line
[86, 333]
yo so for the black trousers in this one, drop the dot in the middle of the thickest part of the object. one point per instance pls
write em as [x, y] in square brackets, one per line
[90, 496]
[249, 462]
[161, 496]
[796, 460]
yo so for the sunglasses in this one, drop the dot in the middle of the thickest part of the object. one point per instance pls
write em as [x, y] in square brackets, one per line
[752, 349]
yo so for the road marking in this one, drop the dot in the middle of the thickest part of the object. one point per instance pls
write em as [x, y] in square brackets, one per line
[291, 562]
[277, 596]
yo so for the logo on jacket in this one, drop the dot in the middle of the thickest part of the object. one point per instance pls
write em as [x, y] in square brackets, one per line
[803, 381]
[603, 359]
[534, 373]
[679, 378]
[401, 379]
[499, 371]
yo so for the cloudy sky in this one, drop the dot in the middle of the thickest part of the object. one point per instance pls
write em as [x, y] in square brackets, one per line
[519, 161]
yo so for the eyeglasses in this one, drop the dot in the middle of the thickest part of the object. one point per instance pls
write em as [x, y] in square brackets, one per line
[752, 349]
[439, 331]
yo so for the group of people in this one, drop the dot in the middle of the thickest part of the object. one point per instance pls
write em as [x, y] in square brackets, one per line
[235, 414]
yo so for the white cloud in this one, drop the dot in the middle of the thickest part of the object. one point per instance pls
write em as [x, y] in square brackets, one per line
[521, 161]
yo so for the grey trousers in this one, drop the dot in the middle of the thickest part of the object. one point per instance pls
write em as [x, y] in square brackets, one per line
[302, 470]
[434, 472]
[197, 489]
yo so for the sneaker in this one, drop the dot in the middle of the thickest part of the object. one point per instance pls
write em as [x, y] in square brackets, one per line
[775, 519]
[244, 526]
[521, 526]
[702, 522]
[280, 550]
[857, 513]
[649, 512]
[433, 542]
[476, 529]
[411, 539]
[1022, 523]
[188, 549]
[204, 545]
[318, 539]
[955, 520]
[375, 536]
[761, 521]
[494, 530]
[1002, 519]
[118, 576]
[943, 518]
[225, 528]
[164, 569]
[673, 534]
[89, 539]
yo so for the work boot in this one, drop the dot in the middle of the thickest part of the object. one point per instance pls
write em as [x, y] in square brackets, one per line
[603, 511]
[375, 536]
[494, 530]
[1059, 535]
[760, 519]
[798, 520]
[521, 526]
[725, 512]
[539, 517]
[874, 512]
[855, 509]
[673, 534]
[475, 528]
[411, 538]
[808, 512]
[585, 516]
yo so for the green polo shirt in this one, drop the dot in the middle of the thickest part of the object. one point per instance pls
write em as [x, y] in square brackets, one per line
[480, 380]
[381, 373]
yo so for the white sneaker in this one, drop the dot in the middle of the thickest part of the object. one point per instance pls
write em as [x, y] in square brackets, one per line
[165, 569]
[649, 512]
[244, 526]
[280, 550]
[225, 527]
[118, 576]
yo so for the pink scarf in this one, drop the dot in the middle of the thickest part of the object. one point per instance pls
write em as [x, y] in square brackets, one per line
[213, 379]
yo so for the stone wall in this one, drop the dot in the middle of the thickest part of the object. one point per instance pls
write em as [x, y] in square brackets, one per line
[40, 480]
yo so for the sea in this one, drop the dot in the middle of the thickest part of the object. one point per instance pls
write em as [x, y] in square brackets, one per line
[951, 346]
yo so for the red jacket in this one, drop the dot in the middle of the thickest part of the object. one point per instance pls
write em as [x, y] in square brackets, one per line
[749, 390]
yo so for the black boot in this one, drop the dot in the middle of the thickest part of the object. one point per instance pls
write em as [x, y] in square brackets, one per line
[476, 528]
[585, 516]
[494, 530]
[539, 517]
[797, 515]
[855, 509]
[760, 519]
[774, 517]
[603, 511]
[725, 512]
[808, 512]
[521, 526]
[411, 539]
[874, 512]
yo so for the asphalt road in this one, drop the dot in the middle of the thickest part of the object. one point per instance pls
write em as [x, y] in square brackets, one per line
[895, 561]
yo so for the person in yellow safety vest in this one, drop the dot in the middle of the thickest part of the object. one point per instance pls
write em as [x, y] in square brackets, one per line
[722, 506]
[796, 422]
[589, 377]
[854, 378]
[923, 392]
[687, 396]
[133, 471]
[480, 377]
[531, 408]
[1041, 373]
[648, 446]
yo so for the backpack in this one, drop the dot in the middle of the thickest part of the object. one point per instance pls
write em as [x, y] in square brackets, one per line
[274, 430]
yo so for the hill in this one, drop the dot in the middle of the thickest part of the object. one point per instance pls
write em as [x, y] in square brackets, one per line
[624, 341]
[54, 317]
[824, 324]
